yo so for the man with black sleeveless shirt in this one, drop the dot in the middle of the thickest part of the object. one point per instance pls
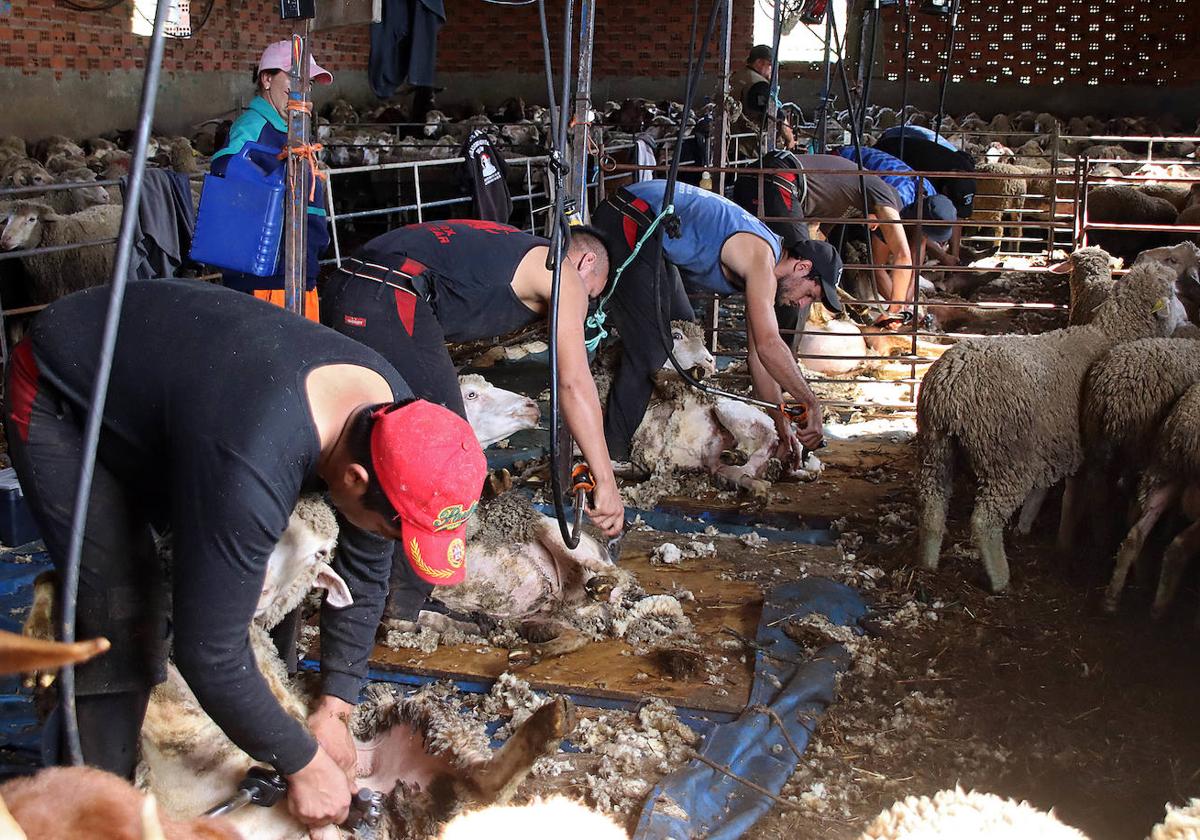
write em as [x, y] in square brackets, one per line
[221, 410]
[407, 292]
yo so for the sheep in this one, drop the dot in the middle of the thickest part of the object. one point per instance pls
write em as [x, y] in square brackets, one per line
[1123, 204]
[33, 224]
[955, 814]
[1091, 283]
[55, 144]
[1010, 406]
[18, 171]
[495, 413]
[1172, 477]
[997, 198]
[191, 765]
[840, 337]
[1180, 823]
[78, 198]
[541, 819]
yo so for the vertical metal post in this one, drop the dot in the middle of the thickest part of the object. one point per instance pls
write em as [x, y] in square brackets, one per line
[1052, 232]
[770, 124]
[295, 246]
[826, 95]
[722, 140]
[417, 188]
[337, 247]
[578, 183]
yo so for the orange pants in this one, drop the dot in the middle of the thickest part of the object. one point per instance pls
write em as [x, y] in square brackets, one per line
[312, 310]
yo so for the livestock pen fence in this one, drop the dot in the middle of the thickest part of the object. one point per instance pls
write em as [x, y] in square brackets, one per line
[1034, 224]
[1026, 232]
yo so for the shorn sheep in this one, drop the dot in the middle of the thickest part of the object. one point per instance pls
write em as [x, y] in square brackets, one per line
[1010, 407]
[31, 224]
[961, 814]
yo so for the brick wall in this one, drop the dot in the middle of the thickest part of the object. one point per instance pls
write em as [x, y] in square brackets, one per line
[633, 37]
[39, 37]
[1058, 42]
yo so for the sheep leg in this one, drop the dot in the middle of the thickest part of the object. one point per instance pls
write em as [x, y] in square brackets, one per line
[1030, 510]
[935, 481]
[1068, 523]
[1151, 511]
[739, 477]
[1175, 559]
[567, 641]
[498, 779]
[987, 531]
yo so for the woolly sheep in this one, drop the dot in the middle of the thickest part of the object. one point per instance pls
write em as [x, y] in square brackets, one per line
[541, 819]
[1180, 823]
[19, 171]
[32, 224]
[1173, 476]
[1122, 204]
[494, 413]
[1091, 283]
[1127, 395]
[1010, 406]
[958, 814]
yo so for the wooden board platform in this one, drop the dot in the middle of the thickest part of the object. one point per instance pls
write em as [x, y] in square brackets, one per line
[611, 669]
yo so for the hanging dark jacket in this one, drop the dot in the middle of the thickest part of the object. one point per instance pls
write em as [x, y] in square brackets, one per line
[485, 177]
[404, 45]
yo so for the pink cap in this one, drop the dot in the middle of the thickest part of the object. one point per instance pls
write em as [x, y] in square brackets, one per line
[278, 56]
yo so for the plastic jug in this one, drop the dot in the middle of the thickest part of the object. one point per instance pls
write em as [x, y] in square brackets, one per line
[239, 225]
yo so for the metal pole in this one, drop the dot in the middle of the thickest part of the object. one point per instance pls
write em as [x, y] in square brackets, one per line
[578, 183]
[108, 345]
[823, 117]
[771, 115]
[937, 130]
[295, 247]
[722, 144]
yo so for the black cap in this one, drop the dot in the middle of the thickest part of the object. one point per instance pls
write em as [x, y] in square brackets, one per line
[826, 266]
[936, 208]
[759, 52]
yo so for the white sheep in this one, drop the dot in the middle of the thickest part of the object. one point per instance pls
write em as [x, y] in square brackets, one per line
[1010, 406]
[32, 224]
[839, 337]
[954, 814]
[541, 819]
[1180, 823]
[495, 413]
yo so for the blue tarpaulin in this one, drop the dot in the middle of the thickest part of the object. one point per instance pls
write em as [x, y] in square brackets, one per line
[700, 801]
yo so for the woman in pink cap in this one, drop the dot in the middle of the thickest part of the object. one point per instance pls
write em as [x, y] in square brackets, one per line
[265, 122]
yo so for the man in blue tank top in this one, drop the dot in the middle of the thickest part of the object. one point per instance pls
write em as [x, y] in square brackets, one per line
[406, 293]
[723, 249]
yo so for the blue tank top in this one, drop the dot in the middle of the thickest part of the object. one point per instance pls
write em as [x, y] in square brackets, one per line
[706, 220]
[876, 160]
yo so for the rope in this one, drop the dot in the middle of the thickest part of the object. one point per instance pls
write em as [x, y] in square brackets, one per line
[307, 152]
[596, 322]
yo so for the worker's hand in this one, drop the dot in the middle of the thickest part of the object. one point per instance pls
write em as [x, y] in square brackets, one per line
[319, 793]
[789, 139]
[330, 725]
[811, 433]
[606, 510]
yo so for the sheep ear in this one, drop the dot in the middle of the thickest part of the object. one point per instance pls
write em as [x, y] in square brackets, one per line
[1063, 267]
[337, 593]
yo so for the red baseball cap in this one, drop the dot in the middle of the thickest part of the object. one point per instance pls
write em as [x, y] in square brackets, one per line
[431, 469]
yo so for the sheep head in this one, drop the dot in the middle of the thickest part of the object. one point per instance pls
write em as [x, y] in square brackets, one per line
[300, 562]
[1184, 259]
[23, 228]
[495, 413]
[690, 351]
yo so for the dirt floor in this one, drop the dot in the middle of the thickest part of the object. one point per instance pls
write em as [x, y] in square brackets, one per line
[1034, 694]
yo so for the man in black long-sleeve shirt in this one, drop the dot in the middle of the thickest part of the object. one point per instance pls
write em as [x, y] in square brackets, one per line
[221, 411]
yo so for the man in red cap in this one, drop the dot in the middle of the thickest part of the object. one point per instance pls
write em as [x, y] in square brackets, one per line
[221, 411]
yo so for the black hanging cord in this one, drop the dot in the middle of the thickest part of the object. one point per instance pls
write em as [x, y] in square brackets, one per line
[558, 234]
[108, 343]
[870, 66]
[907, 12]
[773, 86]
[953, 29]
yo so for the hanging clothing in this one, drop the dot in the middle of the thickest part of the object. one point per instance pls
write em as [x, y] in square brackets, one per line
[404, 45]
[485, 177]
[166, 220]
[646, 156]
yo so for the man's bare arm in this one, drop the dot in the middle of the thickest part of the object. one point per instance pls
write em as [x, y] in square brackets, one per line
[897, 242]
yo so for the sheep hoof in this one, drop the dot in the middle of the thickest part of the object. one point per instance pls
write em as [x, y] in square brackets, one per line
[734, 458]
[523, 657]
[599, 587]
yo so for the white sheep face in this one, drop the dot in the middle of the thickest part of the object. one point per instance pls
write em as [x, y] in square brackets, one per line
[495, 413]
[691, 353]
[294, 556]
[22, 230]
